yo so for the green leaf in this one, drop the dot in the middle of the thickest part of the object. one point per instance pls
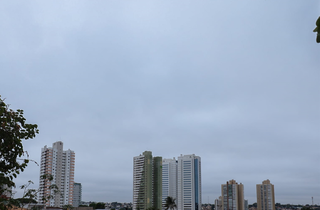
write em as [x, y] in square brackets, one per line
[316, 29]
[318, 22]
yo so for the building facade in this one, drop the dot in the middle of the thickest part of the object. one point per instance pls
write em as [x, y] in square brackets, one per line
[232, 196]
[189, 182]
[169, 179]
[60, 164]
[147, 181]
[77, 194]
[157, 183]
[265, 196]
[218, 203]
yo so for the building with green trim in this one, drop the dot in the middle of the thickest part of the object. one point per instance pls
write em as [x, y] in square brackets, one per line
[147, 182]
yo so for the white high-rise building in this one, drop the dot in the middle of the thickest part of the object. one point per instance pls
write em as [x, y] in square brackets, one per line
[189, 182]
[169, 179]
[77, 194]
[60, 164]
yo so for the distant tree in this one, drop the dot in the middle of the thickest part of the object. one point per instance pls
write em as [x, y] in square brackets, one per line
[100, 205]
[67, 207]
[306, 207]
[93, 205]
[13, 129]
[170, 203]
[152, 208]
[317, 30]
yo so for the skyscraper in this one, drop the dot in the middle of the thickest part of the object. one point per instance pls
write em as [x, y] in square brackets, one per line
[157, 183]
[77, 194]
[147, 180]
[169, 179]
[189, 182]
[265, 196]
[218, 203]
[232, 196]
[60, 164]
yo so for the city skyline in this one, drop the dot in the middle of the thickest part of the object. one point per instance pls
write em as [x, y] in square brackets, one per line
[142, 158]
[234, 82]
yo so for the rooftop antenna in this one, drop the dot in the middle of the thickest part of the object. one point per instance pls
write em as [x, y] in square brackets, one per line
[312, 200]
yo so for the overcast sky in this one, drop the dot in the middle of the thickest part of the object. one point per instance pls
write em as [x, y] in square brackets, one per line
[236, 82]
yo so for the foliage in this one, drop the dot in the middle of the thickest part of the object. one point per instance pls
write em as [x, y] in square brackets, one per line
[67, 207]
[99, 205]
[13, 129]
[30, 195]
[152, 208]
[317, 29]
[306, 207]
[170, 203]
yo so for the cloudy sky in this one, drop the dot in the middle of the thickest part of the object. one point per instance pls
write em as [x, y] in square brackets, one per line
[236, 82]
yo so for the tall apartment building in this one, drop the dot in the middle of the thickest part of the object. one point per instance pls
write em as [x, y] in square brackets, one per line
[147, 181]
[157, 183]
[60, 164]
[77, 194]
[189, 182]
[232, 196]
[169, 179]
[265, 196]
[218, 203]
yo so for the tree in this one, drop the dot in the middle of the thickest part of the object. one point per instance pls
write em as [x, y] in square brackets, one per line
[317, 30]
[306, 207]
[31, 194]
[93, 205]
[13, 129]
[170, 203]
[67, 207]
[100, 205]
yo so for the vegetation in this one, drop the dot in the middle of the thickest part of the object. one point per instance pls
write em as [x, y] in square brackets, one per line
[317, 30]
[170, 203]
[99, 205]
[13, 129]
[67, 207]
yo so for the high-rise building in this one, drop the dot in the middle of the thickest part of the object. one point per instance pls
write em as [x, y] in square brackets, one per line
[147, 180]
[232, 196]
[218, 203]
[265, 196]
[77, 194]
[169, 179]
[157, 183]
[189, 182]
[246, 205]
[60, 164]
